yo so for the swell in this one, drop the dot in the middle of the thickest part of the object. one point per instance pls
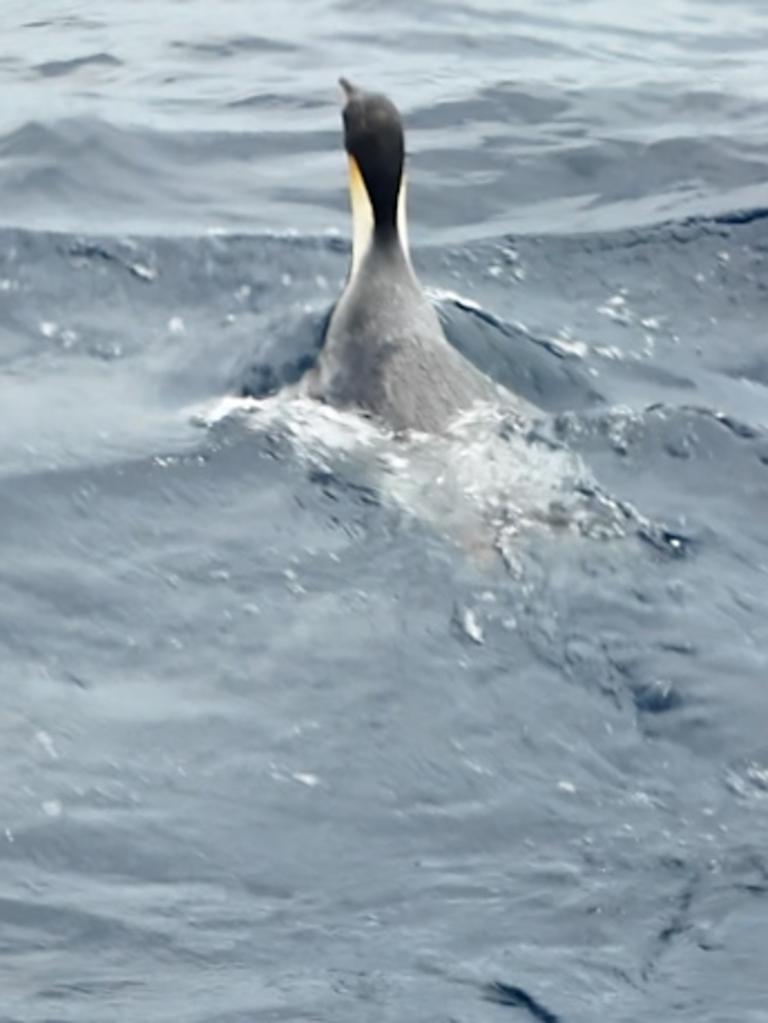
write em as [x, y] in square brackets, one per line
[530, 160]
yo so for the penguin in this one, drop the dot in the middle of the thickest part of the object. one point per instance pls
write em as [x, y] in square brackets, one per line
[385, 352]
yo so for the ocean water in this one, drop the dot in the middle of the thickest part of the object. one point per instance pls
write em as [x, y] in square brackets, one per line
[303, 721]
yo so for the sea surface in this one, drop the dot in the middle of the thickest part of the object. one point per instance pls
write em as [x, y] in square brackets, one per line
[301, 720]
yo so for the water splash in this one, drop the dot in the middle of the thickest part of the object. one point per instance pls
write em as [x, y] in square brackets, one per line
[485, 483]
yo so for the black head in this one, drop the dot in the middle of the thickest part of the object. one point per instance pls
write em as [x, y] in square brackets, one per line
[373, 137]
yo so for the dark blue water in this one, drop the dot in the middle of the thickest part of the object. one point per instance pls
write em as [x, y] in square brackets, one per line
[304, 722]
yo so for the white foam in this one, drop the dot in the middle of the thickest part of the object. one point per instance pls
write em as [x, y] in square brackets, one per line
[480, 483]
[470, 626]
[445, 295]
[47, 743]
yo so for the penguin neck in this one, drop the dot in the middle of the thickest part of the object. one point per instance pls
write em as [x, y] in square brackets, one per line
[386, 255]
[386, 236]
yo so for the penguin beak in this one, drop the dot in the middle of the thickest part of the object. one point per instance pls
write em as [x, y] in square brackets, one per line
[347, 88]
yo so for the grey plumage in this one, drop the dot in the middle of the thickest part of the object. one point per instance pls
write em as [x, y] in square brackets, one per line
[385, 351]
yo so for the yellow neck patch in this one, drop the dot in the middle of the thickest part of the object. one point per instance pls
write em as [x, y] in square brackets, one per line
[362, 216]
